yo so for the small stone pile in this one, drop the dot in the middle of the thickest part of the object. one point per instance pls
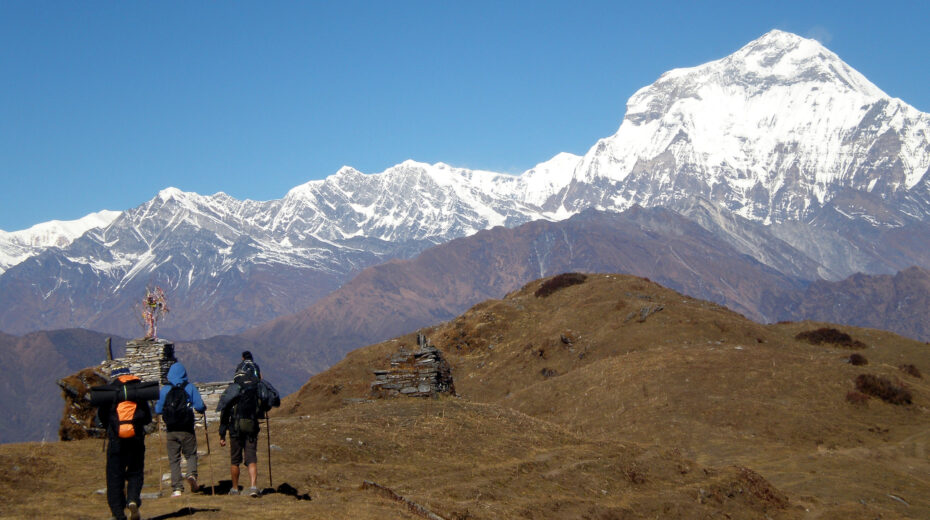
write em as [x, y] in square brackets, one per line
[420, 373]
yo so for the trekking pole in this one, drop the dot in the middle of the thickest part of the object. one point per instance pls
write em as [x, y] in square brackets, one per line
[268, 435]
[161, 462]
[212, 475]
[205, 432]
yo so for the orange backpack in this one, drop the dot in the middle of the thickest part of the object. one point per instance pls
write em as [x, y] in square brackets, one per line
[126, 410]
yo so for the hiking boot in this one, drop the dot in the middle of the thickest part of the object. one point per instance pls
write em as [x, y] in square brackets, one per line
[253, 492]
[192, 480]
[177, 493]
[233, 492]
[133, 511]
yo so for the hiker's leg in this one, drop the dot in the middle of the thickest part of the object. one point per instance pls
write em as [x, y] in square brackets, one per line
[173, 447]
[251, 458]
[116, 498]
[189, 449]
[235, 458]
[253, 473]
[135, 470]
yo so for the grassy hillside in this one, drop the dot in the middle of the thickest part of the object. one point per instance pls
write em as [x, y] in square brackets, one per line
[613, 398]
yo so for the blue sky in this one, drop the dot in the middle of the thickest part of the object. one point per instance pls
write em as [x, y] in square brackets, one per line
[102, 104]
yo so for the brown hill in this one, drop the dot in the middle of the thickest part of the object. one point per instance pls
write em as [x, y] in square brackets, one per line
[30, 400]
[394, 298]
[611, 399]
[691, 376]
[891, 302]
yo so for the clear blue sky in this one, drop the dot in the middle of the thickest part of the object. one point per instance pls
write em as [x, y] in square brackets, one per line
[102, 104]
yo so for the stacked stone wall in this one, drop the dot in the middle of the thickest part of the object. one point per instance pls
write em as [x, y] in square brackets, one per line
[211, 392]
[419, 373]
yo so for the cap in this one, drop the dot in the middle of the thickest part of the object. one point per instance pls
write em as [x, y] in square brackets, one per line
[120, 370]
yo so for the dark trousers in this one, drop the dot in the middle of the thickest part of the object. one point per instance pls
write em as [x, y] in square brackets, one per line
[125, 464]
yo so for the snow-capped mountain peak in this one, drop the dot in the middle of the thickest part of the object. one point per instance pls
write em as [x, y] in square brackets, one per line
[782, 132]
[773, 131]
[16, 246]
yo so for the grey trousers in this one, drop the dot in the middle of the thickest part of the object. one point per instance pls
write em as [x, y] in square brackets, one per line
[181, 443]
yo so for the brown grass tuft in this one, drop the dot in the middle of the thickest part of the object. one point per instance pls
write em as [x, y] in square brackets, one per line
[857, 398]
[858, 360]
[559, 282]
[829, 335]
[882, 388]
[911, 370]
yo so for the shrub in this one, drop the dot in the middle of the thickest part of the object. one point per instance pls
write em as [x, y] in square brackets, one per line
[911, 370]
[882, 388]
[828, 335]
[559, 282]
[548, 372]
[855, 397]
[858, 360]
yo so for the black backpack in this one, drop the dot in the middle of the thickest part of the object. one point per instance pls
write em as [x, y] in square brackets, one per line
[177, 411]
[247, 407]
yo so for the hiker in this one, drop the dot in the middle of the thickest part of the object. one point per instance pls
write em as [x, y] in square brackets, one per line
[240, 411]
[176, 404]
[125, 422]
[248, 364]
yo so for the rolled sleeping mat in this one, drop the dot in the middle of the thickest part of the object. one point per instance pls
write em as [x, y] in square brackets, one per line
[108, 394]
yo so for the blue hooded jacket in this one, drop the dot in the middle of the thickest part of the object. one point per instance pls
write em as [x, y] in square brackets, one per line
[177, 375]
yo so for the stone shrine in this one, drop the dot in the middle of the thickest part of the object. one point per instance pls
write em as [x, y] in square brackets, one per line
[420, 373]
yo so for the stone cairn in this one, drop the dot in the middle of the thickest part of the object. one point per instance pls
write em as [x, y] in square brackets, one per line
[147, 358]
[421, 373]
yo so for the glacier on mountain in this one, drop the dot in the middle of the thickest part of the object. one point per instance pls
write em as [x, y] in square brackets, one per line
[781, 148]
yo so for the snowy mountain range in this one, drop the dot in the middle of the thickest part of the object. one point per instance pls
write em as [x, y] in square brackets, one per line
[781, 149]
[17, 246]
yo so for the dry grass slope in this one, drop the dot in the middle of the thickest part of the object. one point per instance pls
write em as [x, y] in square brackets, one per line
[614, 398]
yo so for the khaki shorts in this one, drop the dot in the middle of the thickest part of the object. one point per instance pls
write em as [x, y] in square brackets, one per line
[236, 448]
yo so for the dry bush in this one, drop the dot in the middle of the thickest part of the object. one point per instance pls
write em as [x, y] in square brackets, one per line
[882, 388]
[855, 397]
[911, 370]
[559, 282]
[858, 360]
[548, 372]
[828, 335]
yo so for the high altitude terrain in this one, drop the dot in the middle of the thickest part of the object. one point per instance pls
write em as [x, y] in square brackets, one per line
[780, 149]
[610, 398]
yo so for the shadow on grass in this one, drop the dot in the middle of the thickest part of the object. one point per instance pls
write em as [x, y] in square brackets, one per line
[184, 511]
[222, 488]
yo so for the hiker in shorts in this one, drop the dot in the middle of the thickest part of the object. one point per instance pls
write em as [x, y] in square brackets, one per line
[125, 422]
[239, 415]
[177, 402]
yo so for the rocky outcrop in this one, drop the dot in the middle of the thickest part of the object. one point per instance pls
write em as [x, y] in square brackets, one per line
[78, 422]
[420, 373]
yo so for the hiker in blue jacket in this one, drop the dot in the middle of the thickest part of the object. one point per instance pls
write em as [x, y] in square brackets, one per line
[176, 404]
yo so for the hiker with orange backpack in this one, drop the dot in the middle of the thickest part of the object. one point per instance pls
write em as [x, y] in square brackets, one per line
[123, 409]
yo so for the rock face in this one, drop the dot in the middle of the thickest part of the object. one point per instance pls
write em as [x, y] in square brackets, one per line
[78, 422]
[421, 373]
[780, 138]
[149, 359]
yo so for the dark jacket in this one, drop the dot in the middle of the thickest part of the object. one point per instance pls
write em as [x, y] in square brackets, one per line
[227, 408]
[106, 414]
[248, 365]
